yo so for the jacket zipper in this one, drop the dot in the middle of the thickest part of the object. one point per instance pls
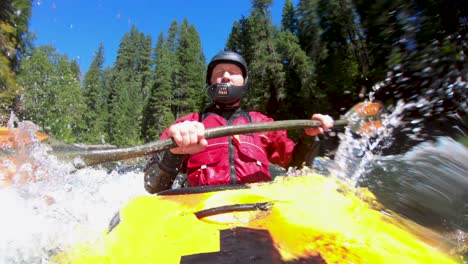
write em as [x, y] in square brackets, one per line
[232, 164]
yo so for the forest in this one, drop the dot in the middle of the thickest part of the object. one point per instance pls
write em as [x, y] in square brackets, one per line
[326, 56]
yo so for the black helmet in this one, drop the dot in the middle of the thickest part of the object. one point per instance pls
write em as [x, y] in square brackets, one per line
[227, 57]
[226, 93]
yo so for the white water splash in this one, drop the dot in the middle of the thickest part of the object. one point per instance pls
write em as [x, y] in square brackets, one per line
[433, 176]
[354, 153]
[62, 207]
[56, 207]
[48, 216]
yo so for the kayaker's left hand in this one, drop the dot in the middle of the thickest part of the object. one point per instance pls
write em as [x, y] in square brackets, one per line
[327, 123]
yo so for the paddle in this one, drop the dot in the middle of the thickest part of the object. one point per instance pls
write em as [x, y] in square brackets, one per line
[360, 117]
[94, 157]
[8, 137]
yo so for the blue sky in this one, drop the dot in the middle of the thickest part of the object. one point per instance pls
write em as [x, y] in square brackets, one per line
[76, 28]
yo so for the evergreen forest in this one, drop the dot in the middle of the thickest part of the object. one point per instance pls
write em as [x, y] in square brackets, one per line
[324, 57]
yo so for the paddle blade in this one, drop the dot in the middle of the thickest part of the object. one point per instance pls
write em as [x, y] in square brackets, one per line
[368, 109]
[364, 118]
[9, 137]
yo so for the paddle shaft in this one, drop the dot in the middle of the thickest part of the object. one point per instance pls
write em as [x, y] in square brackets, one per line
[94, 157]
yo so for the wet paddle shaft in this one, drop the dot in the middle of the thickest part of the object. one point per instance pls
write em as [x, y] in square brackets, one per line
[89, 158]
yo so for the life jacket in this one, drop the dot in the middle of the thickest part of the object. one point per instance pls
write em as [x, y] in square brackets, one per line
[235, 159]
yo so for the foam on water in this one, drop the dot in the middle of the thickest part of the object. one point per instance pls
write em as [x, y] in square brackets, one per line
[47, 216]
[49, 206]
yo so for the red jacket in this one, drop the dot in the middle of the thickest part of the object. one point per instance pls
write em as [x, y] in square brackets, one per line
[236, 159]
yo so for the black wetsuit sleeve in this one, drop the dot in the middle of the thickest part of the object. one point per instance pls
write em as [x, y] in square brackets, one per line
[305, 151]
[161, 170]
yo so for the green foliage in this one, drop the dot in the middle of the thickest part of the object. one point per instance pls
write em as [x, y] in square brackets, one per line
[157, 114]
[235, 40]
[464, 141]
[330, 34]
[337, 72]
[14, 41]
[309, 30]
[289, 19]
[383, 23]
[53, 97]
[14, 18]
[190, 76]
[299, 79]
[96, 94]
[324, 57]
[125, 115]
[266, 78]
[129, 88]
[172, 36]
[178, 87]
[281, 74]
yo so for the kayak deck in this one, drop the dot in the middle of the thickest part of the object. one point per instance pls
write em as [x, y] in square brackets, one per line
[309, 219]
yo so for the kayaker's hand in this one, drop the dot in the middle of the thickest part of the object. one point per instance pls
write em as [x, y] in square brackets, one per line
[189, 137]
[327, 123]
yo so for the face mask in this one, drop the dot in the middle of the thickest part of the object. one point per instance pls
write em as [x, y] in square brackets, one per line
[226, 93]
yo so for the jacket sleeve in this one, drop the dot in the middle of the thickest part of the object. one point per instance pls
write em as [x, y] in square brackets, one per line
[161, 170]
[305, 151]
[163, 167]
[285, 153]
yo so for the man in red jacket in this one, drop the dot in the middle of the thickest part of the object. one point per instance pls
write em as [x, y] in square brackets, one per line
[227, 160]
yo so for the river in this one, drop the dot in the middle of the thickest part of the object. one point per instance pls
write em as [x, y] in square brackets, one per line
[48, 205]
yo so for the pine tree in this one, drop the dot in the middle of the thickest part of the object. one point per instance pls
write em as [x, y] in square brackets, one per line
[242, 39]
[299, 69]
[235, 40]
[339, 71]
[157, 114]
[406, 26]
[299, 81]
[190, 82]
[75, 69]
[129, 88]
[281, 74]
[289, 19]
[123, 124]
[309, 30]
[172, 36]
[38, 95]
[383, 32]
[330, 35]
[267, 75]
[96, 99]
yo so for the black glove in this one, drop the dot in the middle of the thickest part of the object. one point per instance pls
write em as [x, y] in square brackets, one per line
[305, 151]
[161, 170]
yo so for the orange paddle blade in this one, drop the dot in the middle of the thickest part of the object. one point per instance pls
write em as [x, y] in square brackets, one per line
[368, 108]
[371, 127]
[41, 136]
[7, 139]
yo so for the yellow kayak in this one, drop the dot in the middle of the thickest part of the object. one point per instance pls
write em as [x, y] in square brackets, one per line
[308, 219]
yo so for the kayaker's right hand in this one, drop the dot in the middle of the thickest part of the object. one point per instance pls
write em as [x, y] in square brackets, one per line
[189, 137]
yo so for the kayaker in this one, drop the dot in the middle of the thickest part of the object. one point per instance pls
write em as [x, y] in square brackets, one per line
[227, 160]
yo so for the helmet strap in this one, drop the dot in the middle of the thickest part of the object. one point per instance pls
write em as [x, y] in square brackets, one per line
[231, 106]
